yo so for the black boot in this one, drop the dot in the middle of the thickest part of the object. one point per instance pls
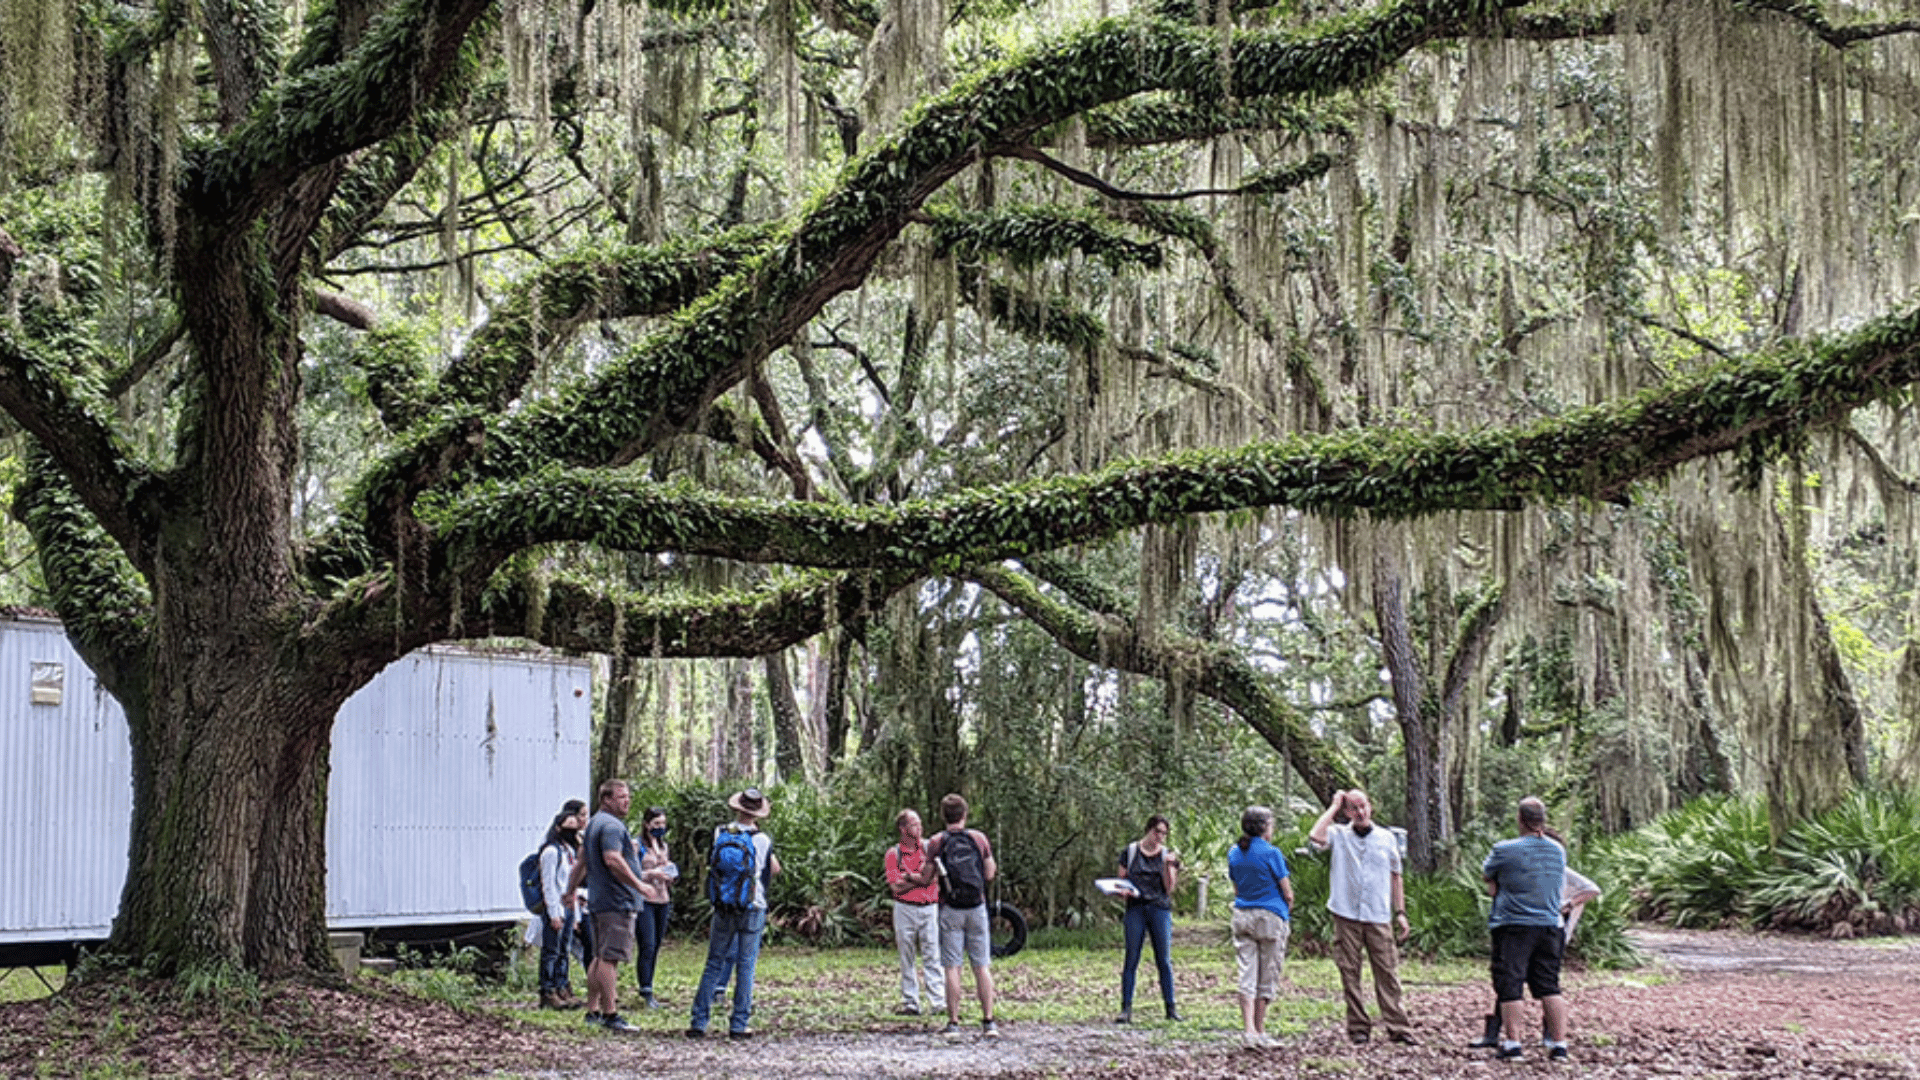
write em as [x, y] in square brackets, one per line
[1491, 1037]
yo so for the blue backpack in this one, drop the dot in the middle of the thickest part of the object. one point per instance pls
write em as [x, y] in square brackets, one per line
[730, 870]
[530, 892]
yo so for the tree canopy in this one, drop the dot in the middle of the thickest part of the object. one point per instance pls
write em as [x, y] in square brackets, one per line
[700, 328]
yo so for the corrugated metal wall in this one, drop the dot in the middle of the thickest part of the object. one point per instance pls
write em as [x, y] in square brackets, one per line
[66, 793]
[447, 769]
[460, 763]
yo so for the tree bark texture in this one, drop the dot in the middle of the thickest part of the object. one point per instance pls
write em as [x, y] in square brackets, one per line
[610, 742]
[227, 862]
[1418, 734]
[788, 756]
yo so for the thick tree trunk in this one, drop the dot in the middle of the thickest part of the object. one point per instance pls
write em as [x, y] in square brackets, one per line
[836, 700]
[1906, 768]
[788, 757]
[1840, 708]
[610, 742]
[227, 862]
[741, 759]
[1705, 768]
[1417, 728]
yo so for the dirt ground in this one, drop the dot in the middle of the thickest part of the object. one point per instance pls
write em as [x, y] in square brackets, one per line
[1713, 1005]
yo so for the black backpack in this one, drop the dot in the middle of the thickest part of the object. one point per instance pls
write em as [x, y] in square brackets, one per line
[963, 870]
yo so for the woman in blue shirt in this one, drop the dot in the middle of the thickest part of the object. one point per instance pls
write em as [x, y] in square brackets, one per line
[1262, 914]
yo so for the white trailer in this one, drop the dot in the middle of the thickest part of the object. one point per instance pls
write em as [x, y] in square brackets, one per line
[447, 768]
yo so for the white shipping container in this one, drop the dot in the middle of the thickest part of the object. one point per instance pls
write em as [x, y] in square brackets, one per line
[447, 768]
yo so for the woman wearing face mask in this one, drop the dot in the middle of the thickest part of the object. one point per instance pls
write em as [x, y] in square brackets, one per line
[657, 873]
[557, 854]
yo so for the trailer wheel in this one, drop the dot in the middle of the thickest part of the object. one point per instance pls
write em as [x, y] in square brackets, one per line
[1008, 929]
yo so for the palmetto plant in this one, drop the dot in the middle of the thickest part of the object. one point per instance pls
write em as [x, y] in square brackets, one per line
[1713, 862]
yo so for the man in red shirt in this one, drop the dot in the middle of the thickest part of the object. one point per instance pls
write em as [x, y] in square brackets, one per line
[916, 916]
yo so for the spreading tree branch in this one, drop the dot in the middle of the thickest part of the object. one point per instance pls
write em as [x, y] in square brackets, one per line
[568, 614]
[105, 606]
[1270, 182]
[1214, 671]
[656, 391]
[323, 113]
[1814, 17]
[68, 415]
[1763, 405]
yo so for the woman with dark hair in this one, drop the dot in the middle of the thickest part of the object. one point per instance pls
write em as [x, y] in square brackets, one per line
[1262, 914]
[657, 873]
[557, 854]
[1152, 869]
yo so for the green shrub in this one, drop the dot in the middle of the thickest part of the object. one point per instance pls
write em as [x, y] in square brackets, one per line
[1695, 866]
[830, 840]
[1713, 863]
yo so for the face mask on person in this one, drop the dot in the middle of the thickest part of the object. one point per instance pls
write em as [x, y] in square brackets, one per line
[659, 833]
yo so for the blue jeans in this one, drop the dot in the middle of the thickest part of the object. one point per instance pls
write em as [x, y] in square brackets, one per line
[733, 943]
[650, 929]
[554, 948]
[1142, 920]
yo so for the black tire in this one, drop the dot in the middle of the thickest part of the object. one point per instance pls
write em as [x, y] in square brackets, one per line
[1009, 929]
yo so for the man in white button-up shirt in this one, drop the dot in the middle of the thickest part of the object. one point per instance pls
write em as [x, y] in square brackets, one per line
[1366, 898]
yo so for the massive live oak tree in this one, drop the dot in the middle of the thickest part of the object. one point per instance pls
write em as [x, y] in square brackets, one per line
[243, 155]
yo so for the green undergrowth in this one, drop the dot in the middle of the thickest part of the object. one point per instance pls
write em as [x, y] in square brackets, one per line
[1852, 871]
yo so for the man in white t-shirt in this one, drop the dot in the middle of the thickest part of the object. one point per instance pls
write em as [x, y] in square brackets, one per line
[1367, 898]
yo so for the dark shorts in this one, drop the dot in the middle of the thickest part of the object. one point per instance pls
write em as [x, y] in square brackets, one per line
[613, 936]
[1526, 957]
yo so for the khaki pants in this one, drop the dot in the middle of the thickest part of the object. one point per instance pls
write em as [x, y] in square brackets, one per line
[1260, 949]
[1350, 938]
[916, 932]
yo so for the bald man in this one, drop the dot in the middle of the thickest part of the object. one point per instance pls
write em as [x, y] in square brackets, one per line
[1366, 897]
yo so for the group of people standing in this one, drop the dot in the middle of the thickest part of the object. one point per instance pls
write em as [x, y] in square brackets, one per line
[1536, 902]
[611, 891]
[608, 891]
[940, 914]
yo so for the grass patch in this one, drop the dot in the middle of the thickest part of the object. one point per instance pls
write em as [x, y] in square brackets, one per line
[1069, 976]
[24, 984]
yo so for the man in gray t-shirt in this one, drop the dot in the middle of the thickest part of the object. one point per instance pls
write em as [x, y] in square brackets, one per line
[611, 871]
